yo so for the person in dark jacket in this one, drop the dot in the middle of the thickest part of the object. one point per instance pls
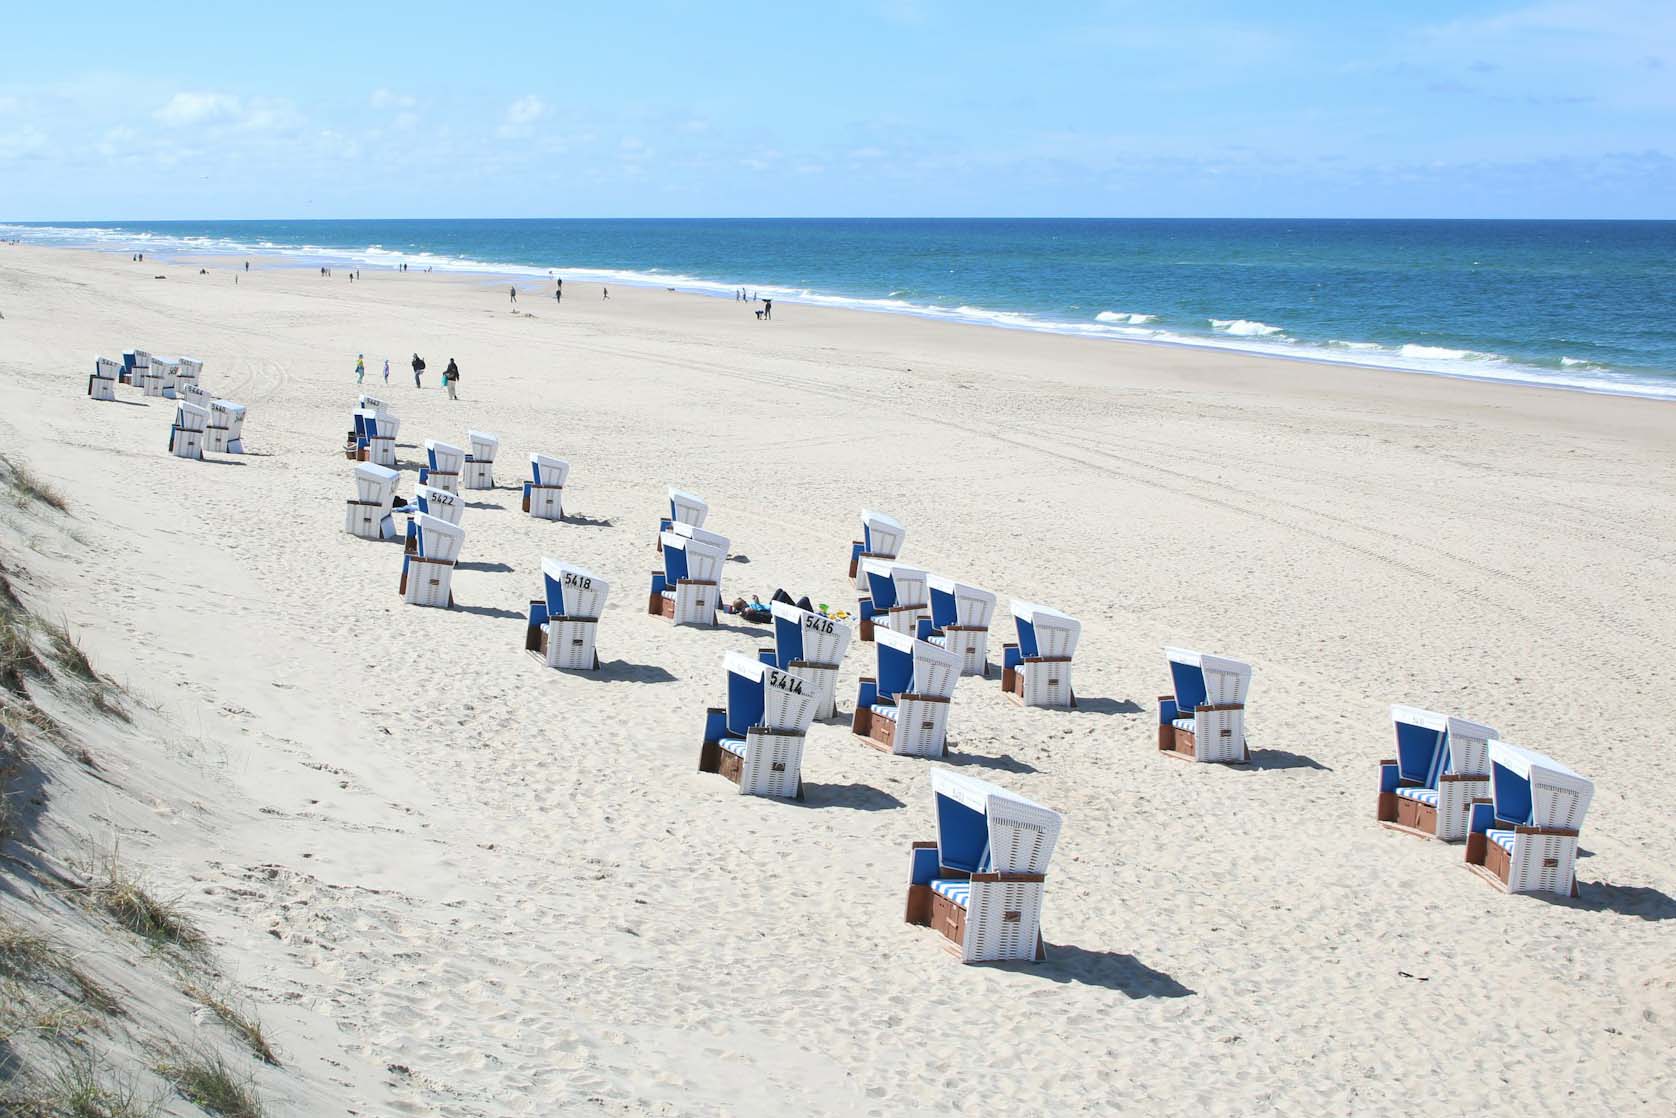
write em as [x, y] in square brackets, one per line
[418, 367]
[451, 379]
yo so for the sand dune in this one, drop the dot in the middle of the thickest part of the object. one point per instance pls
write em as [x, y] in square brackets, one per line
[466, 885]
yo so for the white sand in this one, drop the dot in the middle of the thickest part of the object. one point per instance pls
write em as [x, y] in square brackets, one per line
[425, 850]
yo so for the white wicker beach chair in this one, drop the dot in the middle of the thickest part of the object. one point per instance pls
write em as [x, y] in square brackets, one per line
[1524, 837]
[689, 589]
[544, 492]
[1442, 765]
[374, 437]
[959, 622]
[1037, 670]
[479, 469]
[151, 378]
[375, 404]
[225, 432]
[905, 708]
[563, 624]
[881, 538]
[443, 464]
[756, 741]
[439, 503]
[195, 394]
[980, 884]
[428, 570]
[187, 370]
[895, 597]
[135, 364]
[684, 508]
[368, 515]
[810, 645]
[165, 370]
[186, 436]
[102, 384]
[1205, 719]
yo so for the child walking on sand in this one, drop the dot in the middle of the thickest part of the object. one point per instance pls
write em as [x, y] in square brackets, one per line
[360, 367]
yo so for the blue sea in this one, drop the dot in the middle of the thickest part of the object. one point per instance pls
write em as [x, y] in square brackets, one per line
[1582, 304]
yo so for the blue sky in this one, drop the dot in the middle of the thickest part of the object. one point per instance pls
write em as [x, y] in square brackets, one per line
[913, 107]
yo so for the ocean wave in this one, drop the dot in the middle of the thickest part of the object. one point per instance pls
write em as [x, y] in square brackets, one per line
[1245, 327]
[1227, 335]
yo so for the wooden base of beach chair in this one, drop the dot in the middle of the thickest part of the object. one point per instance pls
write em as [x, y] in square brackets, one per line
[101, 388]
[704, 611]
[928, 908]
[186, 444]
[888, 736]
[1182, 745]
[1408, 816]
[544, 502]
[864, 630]
[574, 650]
[365, 519]
[478, 475]
[874, 729]
[712, 758]
[1012, 685]
[428, 589]
[1494, 863]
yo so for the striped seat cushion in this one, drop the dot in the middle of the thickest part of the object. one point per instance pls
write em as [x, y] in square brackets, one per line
[735, 746]
[1503, 839]
[670, 594]
[885, 710]
[938, 639]
[1183, 724]
[958, 890]
[1424, 795]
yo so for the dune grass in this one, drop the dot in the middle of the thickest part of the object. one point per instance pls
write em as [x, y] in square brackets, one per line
[246, 1025]
[28, 487]
[203, 1077]
[125, 898]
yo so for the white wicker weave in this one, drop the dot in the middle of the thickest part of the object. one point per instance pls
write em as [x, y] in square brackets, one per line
[478, 470]
[449, 460]
[186, 437]
[368, 515]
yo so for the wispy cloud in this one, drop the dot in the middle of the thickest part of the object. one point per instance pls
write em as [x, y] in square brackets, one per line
[521, 116]
[197, 108]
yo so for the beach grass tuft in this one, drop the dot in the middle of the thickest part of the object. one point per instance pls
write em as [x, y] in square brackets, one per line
[77, 1089]
[28, 487]
[245, 1024]
[124, 897]
[202, 1077]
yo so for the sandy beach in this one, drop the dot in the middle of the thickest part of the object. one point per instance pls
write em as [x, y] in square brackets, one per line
[454, 882]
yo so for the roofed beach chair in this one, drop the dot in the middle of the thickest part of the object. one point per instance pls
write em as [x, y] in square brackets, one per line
[689, 590]
[1442, 765]
[479, 469]
[443, 462]
[895, 597]
[187, 370]
[959, 622]
[810, 645]
[428, 570]
[684, 508]
[905, 708]
[1037, 670]
[431, 501]
[756, 741]
[980, 884]
[374, 438]
[196, 394]
[102, 384]
[564, 622]
[225, 432]
[368, 515]
[1524, 837]
[1205, 719]
[165, 369]
[544, 493]
[135, 362]
[186, 436]
[151, 377]
[881, 538]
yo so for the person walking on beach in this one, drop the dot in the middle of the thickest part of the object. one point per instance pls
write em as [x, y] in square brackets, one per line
[451, 378]
[418, 367]
[768, 308]
[605, 293]
[514, 290]
[386, 370]
[247, 265]
[360, 367]
[558, 290]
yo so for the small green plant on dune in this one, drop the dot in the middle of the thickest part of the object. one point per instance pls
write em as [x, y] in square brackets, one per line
[79, 1088]
[203, 1077]
[27, 487]
[125, 897]
[246, 1025]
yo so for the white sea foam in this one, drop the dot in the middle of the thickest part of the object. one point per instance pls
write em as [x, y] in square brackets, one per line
[1229, 335]
[1244, 327]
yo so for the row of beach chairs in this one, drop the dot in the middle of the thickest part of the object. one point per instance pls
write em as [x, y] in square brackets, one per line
[201, 421]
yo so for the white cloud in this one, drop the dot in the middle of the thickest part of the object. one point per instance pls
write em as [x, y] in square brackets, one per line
[197, 108]
[387, 99]
[521, 116]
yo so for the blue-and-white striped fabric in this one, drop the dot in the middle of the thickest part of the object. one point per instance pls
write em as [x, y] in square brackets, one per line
[1424, 795]
[886, 710]
[1503, 839]
[735, 746]
[958, 890]
[1183, 724]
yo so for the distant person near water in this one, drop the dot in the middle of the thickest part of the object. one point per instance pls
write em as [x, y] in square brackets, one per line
[605, 293]
[514, 290]
[386, 370]
[768, 308]
[451, 378]
[418, 368]
[360, 367]
[558, 290]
